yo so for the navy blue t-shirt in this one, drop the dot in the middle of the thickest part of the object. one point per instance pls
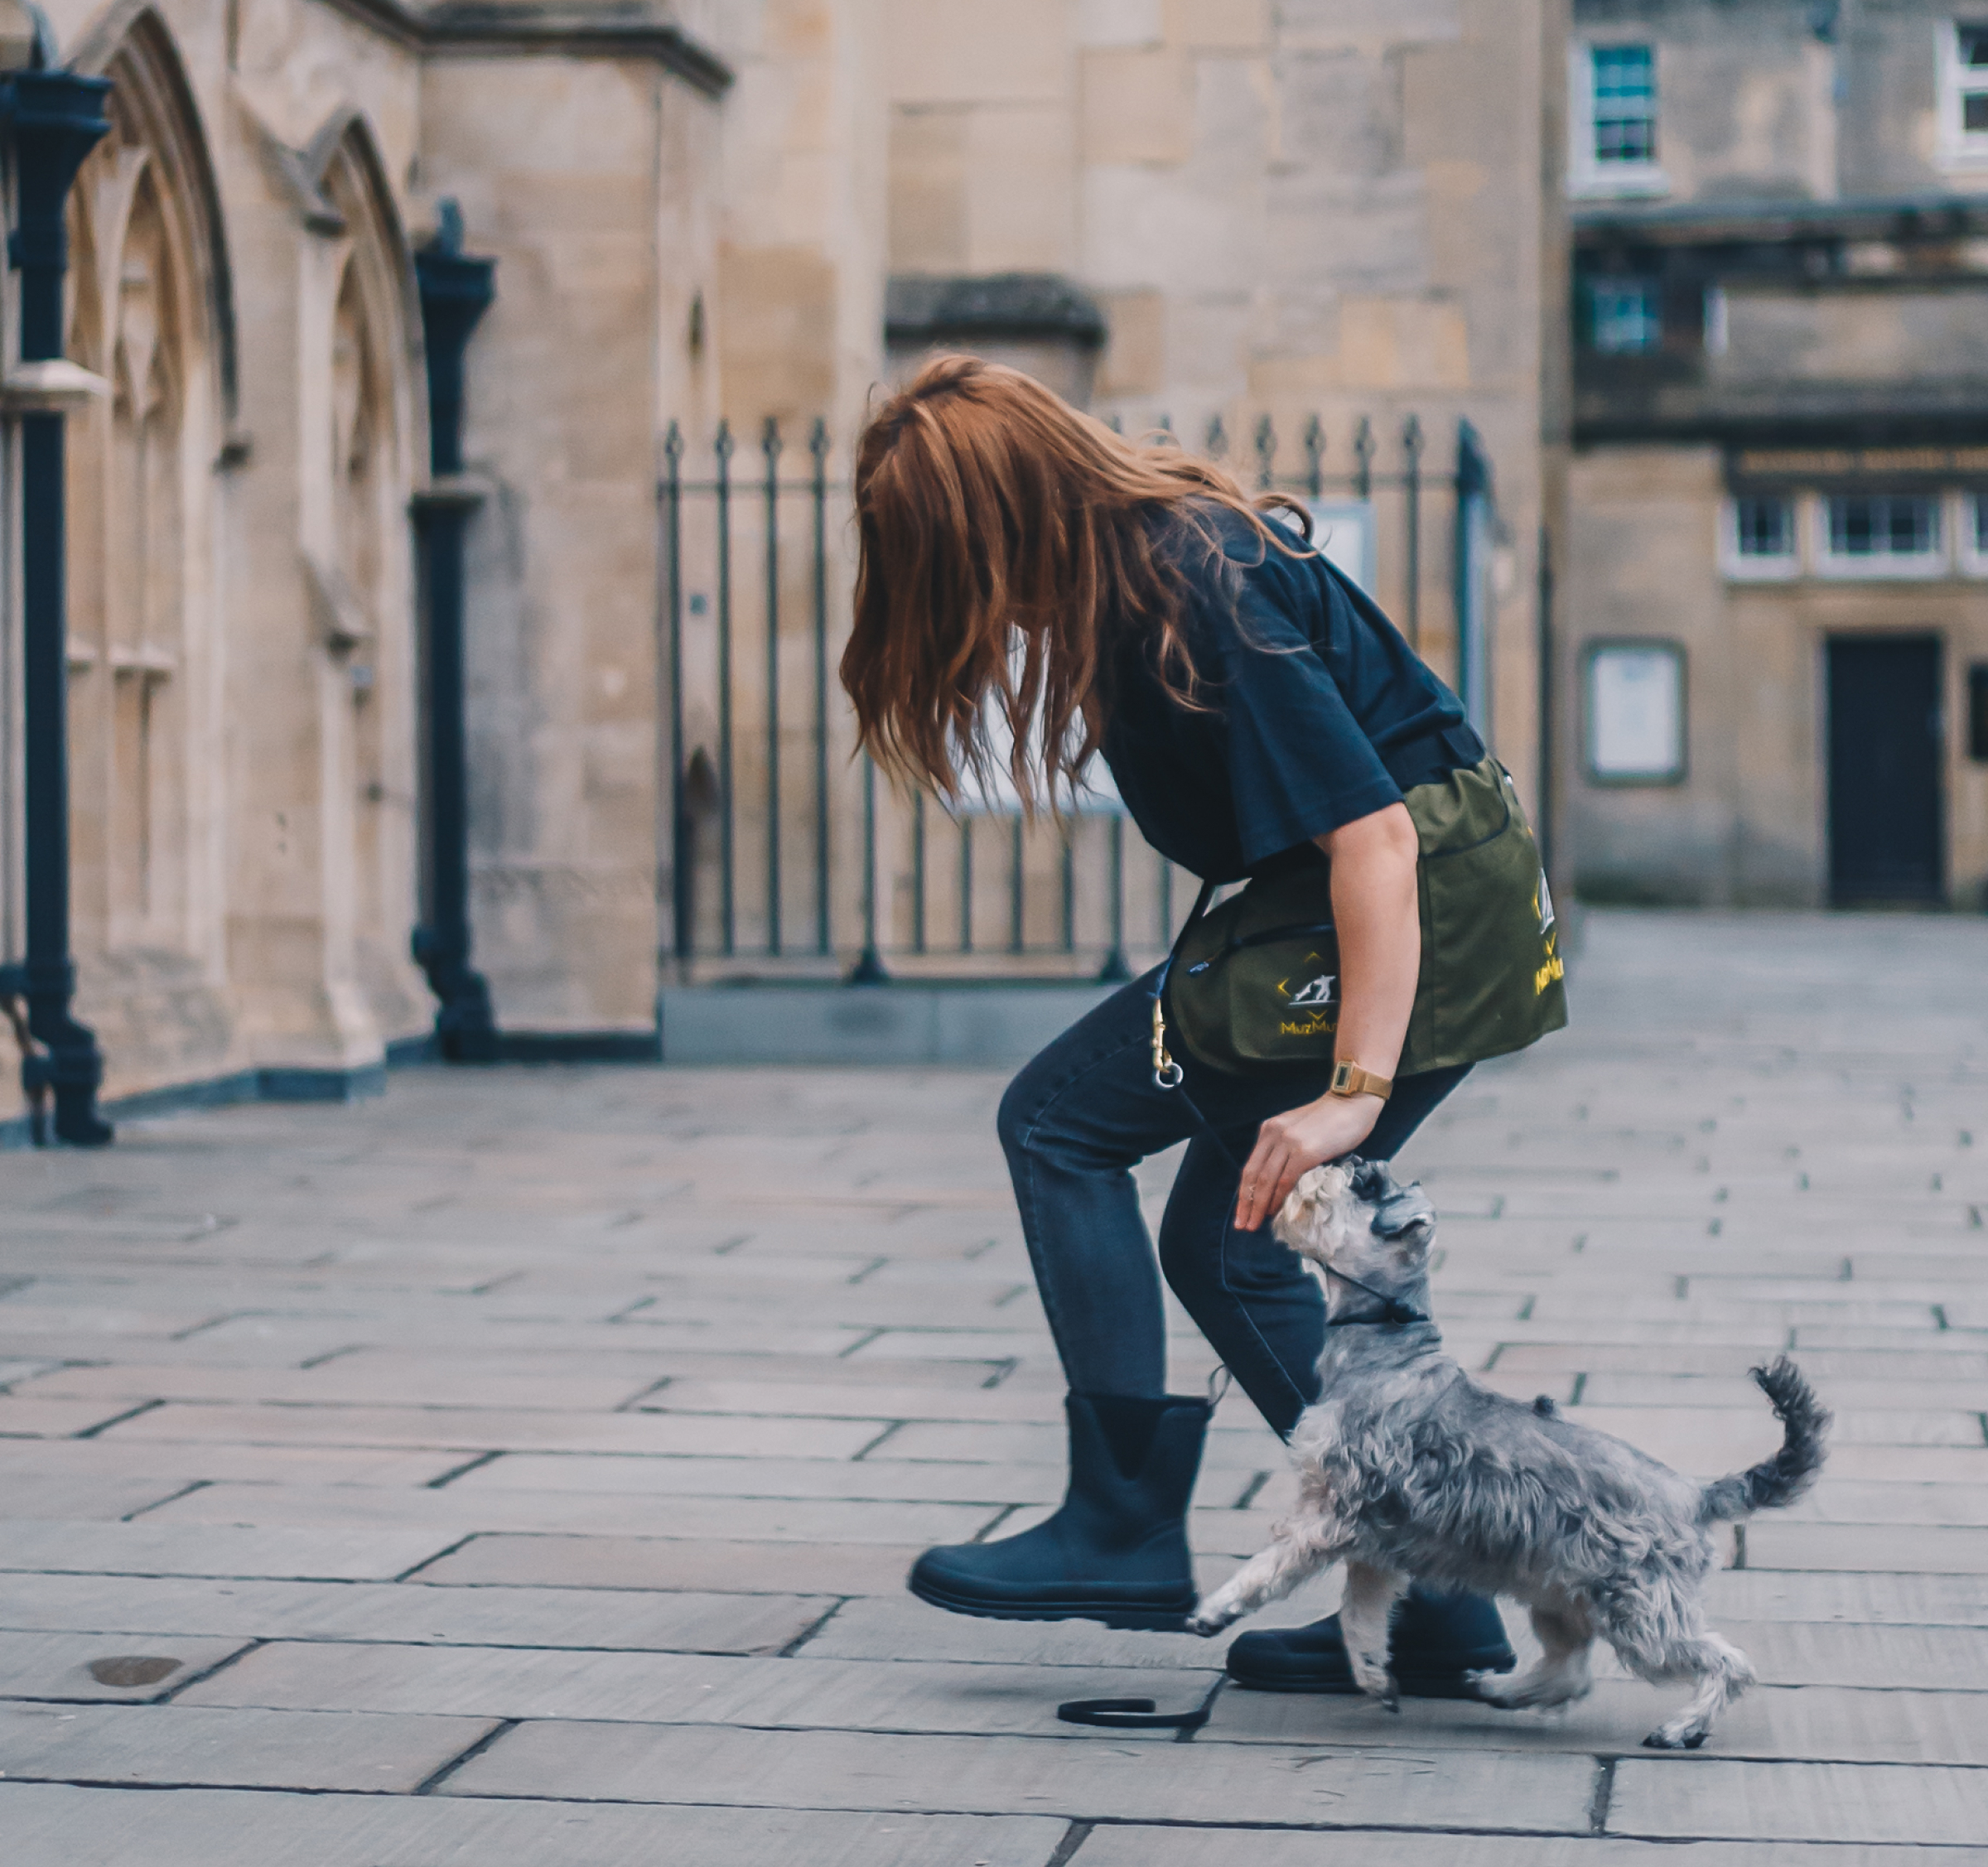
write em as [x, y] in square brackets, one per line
[1318, 711]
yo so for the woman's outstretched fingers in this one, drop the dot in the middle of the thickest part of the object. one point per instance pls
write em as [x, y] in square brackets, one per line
[1288, 1145]
[1267, 1168]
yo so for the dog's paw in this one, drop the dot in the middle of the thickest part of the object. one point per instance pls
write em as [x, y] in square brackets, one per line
[1489, 1688]
[1371, 1674]
[1209, 1622]
[1680, 1736]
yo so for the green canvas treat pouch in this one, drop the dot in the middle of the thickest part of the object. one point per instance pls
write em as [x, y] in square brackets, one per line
[1253, 985]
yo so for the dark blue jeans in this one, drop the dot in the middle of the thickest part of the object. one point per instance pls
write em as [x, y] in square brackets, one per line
[1075, 1122]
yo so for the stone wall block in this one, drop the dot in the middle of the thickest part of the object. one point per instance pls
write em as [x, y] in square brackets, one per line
[1021, 194]
[1339, 113]
[927, 209]
[1223, 25]
[1138, 106]
[1016, 52]
[1134, 362]
[1120, 22]
[1370, 24]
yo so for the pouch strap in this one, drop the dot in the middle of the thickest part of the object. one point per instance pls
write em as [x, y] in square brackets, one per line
[1167, 1073]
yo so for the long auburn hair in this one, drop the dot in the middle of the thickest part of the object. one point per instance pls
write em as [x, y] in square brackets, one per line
[1005, 550]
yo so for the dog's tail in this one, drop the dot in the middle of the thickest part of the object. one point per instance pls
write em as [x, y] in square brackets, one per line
[1781, 1479]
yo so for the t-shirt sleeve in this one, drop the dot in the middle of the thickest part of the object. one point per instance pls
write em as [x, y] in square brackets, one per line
[1298, 763]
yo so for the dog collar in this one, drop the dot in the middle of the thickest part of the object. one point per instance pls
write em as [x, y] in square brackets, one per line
[1394, 1313]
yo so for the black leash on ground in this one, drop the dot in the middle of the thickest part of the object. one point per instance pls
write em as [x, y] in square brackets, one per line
[1130, 1715]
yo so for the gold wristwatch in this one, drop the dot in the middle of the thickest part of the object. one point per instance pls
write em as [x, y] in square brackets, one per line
[1349, 1080]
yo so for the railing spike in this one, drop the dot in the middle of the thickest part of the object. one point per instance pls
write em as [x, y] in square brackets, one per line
[1315, 456]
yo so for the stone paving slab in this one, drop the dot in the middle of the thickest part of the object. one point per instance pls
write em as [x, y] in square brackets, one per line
[152, 1548]
[171, 1468]
[1837, 1802]
[1866, 1548]
[655, 1688]
[170, 1743]
[1910, 1464]
[499, 1429]
[1872, 1395]
[569, 1618]
[1962, 1503]
[454, 1514]
[101, 1669]
[656, 1562]
[1879, 1601]
[339, 1382]
[30, 1417]
[886, 1626]
[1118, 1775]
[1825, 1722]
[929, 1482]
[81, 1497]
[51, 1827]
[618, 1402]
[1125, 1845]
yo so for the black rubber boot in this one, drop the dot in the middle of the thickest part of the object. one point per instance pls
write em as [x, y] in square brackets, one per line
[1435, 1641]
[1116, 1552]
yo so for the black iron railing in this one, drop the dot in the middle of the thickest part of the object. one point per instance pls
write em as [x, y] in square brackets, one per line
[786, 854]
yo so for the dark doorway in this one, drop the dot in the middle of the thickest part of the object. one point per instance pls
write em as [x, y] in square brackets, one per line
[1885, 834]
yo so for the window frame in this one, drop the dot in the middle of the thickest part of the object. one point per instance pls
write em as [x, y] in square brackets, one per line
[1960, 148]
[1888, 567]
[1971, 531]
[1745, 567]
[1588, 177]
[1593, 652]
[1652, 288]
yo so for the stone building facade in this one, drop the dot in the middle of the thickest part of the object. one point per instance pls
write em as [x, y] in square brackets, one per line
[244, 712]
[1177, 209]
[1777, 599]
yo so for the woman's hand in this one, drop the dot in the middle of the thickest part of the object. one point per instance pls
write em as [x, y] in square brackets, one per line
[1290, 1146]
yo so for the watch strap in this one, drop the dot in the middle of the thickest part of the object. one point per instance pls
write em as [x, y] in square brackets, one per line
[1349, 1080]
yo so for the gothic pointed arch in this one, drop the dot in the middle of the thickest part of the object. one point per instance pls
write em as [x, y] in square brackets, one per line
[152, 108]
[152, 313]
[359, 544]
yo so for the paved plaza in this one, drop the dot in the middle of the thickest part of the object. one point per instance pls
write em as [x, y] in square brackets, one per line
[521, 1470]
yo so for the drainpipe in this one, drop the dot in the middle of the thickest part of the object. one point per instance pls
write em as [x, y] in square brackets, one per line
[54, 118]
[1472, 560]
[455, 291]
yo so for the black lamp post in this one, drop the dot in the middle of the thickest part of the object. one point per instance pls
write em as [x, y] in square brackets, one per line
[455, 291]
[55, 119]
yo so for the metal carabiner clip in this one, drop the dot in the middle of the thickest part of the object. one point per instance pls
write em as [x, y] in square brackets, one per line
[1167, 1074]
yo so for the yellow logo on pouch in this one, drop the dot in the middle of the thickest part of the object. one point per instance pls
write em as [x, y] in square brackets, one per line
[1554, 967]
[1319, 996]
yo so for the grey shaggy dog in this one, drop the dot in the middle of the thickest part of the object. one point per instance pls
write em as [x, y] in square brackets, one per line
[1410, 1470]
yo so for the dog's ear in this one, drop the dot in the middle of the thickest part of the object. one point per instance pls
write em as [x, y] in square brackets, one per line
[1369, 1180]
[1405, 1217]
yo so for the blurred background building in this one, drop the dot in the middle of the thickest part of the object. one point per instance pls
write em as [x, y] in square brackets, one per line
[1778, 507]
[1631, 358]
